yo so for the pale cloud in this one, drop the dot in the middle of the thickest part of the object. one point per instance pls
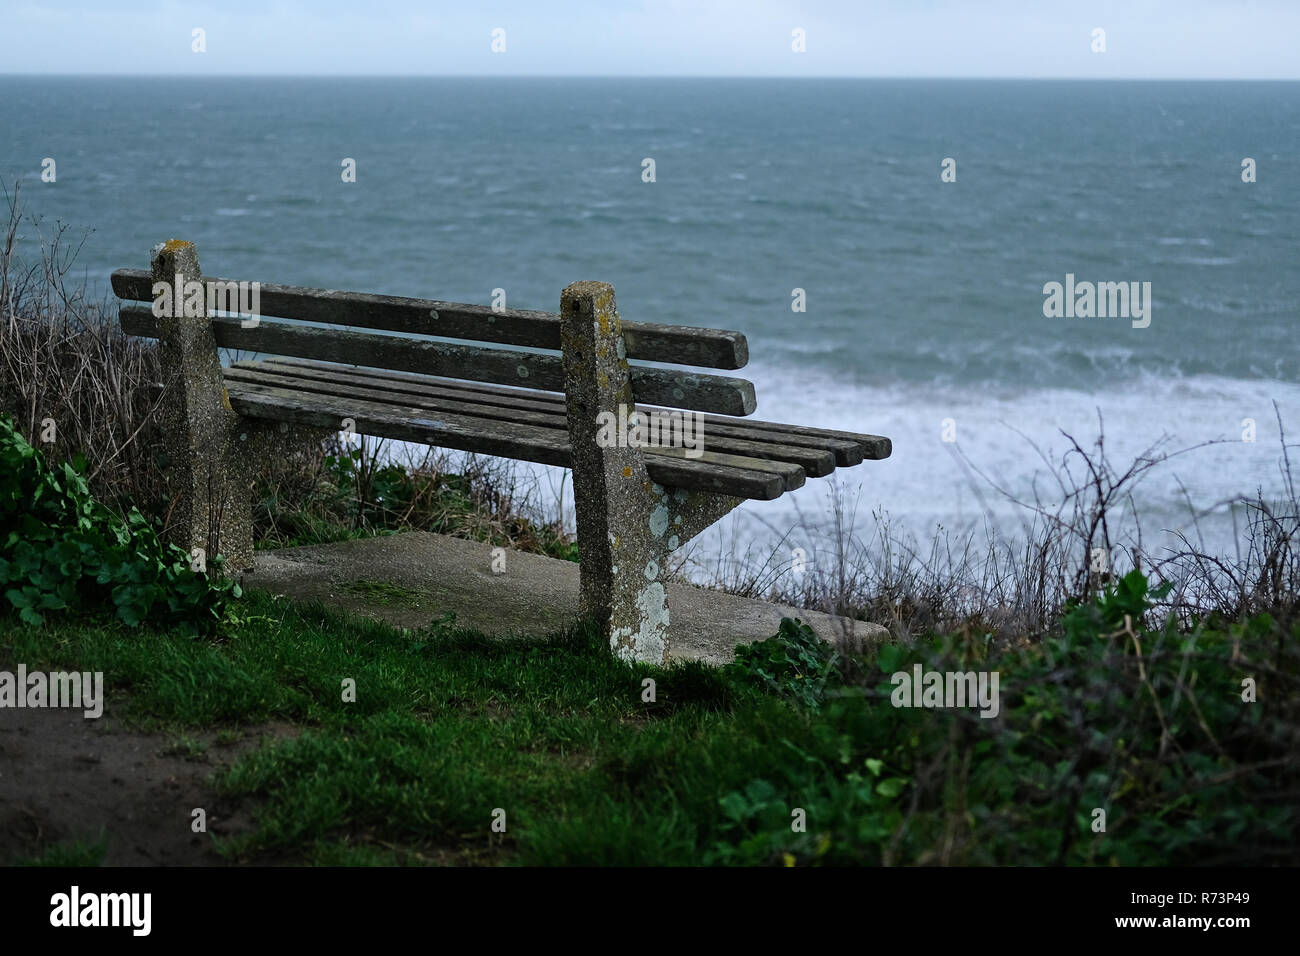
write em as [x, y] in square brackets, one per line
[1027, 38]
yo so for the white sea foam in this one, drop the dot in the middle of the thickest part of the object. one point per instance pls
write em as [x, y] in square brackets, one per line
[924, 485]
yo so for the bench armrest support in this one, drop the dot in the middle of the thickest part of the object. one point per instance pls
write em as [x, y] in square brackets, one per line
[627, 524]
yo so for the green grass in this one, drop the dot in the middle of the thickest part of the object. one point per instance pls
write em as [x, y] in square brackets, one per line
[447, 726]
[187, 747]
[382, 592]
[74, 853]
[449, 729]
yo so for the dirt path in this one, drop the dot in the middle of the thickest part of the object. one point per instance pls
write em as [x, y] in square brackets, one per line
[66, 778]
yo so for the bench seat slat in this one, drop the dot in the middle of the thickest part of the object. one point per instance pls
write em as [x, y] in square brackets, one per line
[874, 447]
[846, 451]
[647, 341]
[849, 448]
[688, 390]
[503, 399]
[359, 387]
[725, 474]
[350, 383]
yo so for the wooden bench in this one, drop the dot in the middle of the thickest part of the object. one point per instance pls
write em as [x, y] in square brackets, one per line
[554, 405]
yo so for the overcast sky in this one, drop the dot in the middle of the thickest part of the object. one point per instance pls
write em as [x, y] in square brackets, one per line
[1247, 39]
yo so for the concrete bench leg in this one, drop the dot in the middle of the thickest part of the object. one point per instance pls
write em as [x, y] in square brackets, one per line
[212, 507]
[627, 524]
[213, 450]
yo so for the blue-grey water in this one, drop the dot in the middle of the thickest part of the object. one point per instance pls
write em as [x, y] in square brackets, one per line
[924, 298]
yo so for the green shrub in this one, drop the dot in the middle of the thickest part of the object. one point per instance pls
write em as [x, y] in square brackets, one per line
[795, 664]
[335, 493]
[62, 551]
[1117, 713]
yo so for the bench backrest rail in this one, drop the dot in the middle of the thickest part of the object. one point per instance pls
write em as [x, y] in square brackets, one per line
[645, 341]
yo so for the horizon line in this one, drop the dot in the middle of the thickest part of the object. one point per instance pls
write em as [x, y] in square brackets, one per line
[655, 76]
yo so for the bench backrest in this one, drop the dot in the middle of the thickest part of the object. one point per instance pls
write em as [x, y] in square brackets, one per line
[370, 319]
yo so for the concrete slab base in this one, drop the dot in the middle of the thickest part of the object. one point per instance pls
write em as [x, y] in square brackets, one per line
[412, 579]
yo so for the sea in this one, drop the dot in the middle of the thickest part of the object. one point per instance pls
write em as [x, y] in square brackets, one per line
[887, 247]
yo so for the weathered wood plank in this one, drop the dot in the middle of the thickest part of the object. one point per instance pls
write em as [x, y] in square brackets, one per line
[496, 394]
[697, 476]
[502, 398]
[646, 341]
[504, 439]
[847, 451]
[874, 447]
[790, 474]
[463, 433]
[350, 387]
[676, 389]
[349, 384]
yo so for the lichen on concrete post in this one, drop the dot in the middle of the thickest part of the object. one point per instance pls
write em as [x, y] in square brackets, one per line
[212, 478]
[627, 524]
